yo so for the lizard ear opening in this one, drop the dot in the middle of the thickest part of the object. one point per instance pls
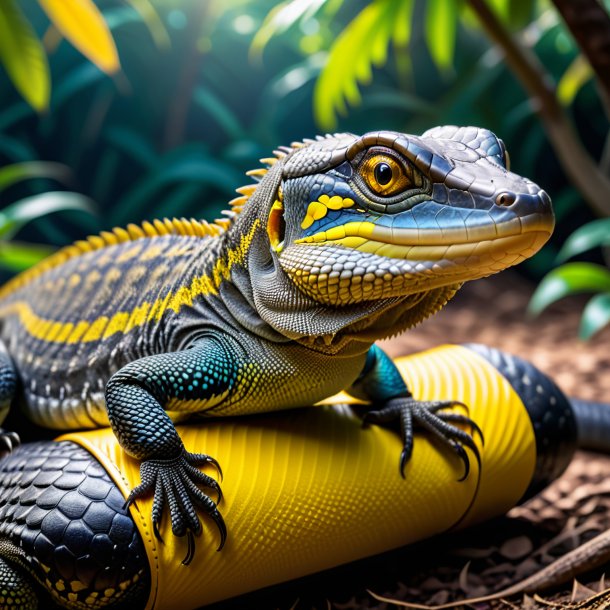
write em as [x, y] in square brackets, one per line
[276, 226]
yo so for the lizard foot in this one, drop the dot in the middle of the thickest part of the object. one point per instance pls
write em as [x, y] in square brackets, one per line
[9, 441]
[430, 416]
[174, 482]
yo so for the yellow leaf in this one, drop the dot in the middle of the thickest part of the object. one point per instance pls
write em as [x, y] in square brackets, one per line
[23, 57]
[576, 75]
[80, 22]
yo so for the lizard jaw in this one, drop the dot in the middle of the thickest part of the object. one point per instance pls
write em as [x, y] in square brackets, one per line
[363, 264]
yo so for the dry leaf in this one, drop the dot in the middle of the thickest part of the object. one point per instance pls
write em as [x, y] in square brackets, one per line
[463, 578]
[517, 547]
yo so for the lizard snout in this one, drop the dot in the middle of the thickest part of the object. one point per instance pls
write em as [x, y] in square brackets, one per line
[534, 208]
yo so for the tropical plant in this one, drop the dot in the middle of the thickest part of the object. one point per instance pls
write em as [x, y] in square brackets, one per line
[579, 277]
[15, 255]
[23, 55]
[365, 41]
[129, 141]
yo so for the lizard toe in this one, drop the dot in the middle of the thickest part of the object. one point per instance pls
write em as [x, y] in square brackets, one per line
[174, 485]
[434, 419]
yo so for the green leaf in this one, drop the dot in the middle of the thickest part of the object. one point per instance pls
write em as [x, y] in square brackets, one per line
[591, 235]
[23, 56]
[441, 28]
[219, 112]
[578, 73]
[16, 215]
[183, 169]
[362, 45]
[281, 18]
[595, 316]
[569, 279]
[133, 144]
[402, 28]
[16, 172]
[17, 256]
[153, 22]
[74, 83]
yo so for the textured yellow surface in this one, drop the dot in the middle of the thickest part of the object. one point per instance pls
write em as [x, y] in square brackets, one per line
[309, 489]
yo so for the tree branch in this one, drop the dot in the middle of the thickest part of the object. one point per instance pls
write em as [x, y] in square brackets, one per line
[590, 25]
[576, 161]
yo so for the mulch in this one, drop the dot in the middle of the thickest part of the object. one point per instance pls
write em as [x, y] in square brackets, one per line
[490, 556]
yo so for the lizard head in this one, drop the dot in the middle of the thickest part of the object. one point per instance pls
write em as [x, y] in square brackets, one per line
[389, 215]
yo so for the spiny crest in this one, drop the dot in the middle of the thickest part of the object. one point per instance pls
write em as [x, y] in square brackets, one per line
[280, 152]
[245, 192]
[133, 232]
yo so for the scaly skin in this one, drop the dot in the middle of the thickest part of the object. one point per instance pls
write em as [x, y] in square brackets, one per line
[64, 526]
[345, 240]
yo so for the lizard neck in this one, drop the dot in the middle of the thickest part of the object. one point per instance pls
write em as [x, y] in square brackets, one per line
[261, 297]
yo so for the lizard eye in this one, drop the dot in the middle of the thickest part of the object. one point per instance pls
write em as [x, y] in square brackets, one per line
[385, 175]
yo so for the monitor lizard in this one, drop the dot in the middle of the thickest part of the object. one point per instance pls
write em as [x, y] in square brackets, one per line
[343, 240]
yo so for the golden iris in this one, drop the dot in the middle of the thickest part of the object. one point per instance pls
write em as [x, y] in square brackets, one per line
[384, 175]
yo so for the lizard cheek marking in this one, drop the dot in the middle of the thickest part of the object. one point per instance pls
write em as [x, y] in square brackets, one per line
[318, 209]
[276, 226]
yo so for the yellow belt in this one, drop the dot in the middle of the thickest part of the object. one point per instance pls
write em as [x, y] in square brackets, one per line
[306, 490]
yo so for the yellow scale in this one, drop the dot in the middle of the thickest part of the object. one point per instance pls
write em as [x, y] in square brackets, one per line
[309, 489]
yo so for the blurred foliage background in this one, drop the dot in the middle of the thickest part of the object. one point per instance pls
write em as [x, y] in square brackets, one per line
[120, 110]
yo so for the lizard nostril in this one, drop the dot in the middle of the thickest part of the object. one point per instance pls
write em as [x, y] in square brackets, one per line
[506, 198]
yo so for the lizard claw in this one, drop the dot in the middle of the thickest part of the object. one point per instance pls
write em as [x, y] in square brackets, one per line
[173, 483]
[201, 459]
[430, 416]
[9, 441]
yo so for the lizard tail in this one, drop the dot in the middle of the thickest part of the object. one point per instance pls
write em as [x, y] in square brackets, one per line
[542, 398]
[593, 423]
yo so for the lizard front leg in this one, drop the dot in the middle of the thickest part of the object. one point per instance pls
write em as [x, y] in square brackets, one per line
[381, 383]
[137, 397]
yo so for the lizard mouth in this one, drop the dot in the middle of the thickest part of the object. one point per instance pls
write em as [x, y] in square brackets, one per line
[514, 236]
[363, 261]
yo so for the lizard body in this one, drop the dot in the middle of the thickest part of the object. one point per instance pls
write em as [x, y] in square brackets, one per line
[346, 239]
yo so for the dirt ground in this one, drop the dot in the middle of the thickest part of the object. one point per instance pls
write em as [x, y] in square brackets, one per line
[491, 556]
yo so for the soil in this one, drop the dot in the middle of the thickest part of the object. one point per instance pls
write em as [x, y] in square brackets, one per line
[491, 556]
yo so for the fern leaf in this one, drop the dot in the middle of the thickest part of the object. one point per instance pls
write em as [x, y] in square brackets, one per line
[362, 45]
